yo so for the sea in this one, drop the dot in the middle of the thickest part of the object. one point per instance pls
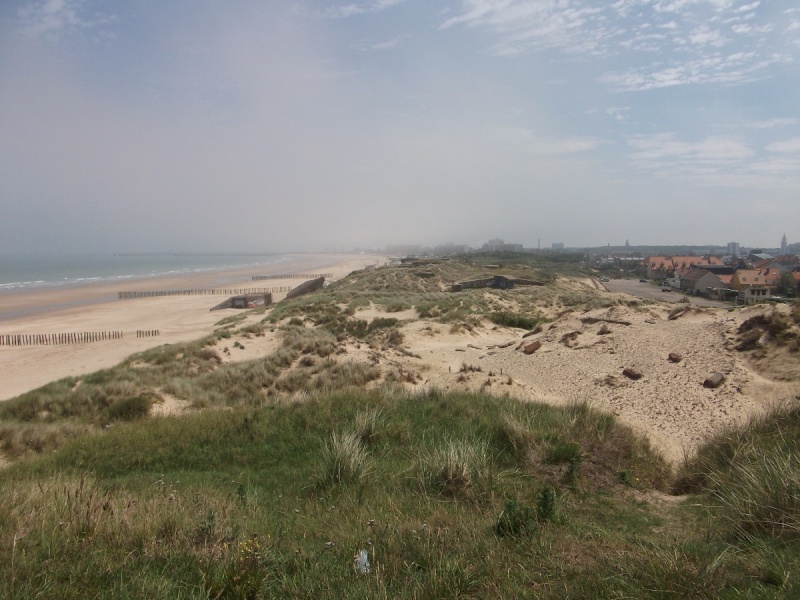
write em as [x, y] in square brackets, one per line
[21, 273]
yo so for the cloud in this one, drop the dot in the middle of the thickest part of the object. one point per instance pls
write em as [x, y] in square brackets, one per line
[529, 141]
[387, 45]
[705, 36]
[771, 123]
[660, 150]
[54, 17]
[787, 146]
[731, 69]
[689, 34]
[358, 8]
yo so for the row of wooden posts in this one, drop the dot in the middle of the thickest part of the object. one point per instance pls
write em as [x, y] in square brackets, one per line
[82, 337]
[225, 292]
[55, 339]
[292, 276]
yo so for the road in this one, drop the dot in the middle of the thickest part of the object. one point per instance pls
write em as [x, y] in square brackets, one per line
[634, 287]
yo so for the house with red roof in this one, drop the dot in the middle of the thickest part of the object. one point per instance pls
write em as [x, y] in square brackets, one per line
[661, 267]
[756, 284]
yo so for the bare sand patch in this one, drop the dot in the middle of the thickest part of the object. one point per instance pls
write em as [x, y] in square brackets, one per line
[582, 357]
[169, 406]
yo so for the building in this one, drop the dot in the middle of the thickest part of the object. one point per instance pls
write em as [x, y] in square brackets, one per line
[450, 249]
[711, 283]
[662, 267]
[733, 249]
[753, 285]
[784, 245]
[498, 245]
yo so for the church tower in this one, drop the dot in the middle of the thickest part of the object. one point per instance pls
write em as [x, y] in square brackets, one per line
[784, 245]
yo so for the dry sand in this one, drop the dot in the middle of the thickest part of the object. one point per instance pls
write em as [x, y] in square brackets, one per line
[94, 307]
[580, 360]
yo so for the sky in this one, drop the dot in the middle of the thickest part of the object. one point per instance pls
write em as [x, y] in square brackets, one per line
[261, 125]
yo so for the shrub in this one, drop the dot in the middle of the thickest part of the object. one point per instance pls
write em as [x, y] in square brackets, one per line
[396, 306]
[132, 408]
[509, 319]
[564, 452]
[382, 323]
[515, 519]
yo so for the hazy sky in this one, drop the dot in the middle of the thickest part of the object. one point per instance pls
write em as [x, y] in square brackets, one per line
[225, 125]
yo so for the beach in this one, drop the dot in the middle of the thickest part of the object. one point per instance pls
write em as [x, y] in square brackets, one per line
[94, 307]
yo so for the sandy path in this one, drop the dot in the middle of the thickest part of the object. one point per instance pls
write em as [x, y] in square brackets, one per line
[178, 318]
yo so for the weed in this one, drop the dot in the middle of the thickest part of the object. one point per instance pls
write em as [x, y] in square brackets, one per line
[515, 519]
[546, 504]
[565, 452]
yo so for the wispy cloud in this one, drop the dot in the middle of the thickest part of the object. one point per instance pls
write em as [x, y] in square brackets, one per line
[358, 8]
[786, 146]
[771, 123]
[716, 160]
[54, 17]
[387, 45]
[729, 69]
[666, 150]
[705, 41]
[529, 141]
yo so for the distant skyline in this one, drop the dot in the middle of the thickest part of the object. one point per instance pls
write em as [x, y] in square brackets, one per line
[266, 125]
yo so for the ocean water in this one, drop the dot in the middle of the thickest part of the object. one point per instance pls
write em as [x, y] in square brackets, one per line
[19, 273]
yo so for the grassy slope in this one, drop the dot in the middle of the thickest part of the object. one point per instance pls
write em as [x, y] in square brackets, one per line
[451, 495]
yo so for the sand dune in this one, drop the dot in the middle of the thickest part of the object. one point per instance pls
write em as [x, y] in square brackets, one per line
[581, 357]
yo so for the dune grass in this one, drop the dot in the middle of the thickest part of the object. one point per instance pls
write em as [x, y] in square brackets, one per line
[275, 501]
[450, 495]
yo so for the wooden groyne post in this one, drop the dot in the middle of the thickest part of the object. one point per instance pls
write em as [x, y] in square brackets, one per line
[58, 339]
[215, 292]
[292, 276]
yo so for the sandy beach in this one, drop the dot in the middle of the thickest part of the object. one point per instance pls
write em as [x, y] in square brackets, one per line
[95, 307]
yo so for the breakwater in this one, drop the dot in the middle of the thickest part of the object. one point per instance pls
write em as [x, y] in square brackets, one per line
[57, 339]
[292, 276]
[224, 292]
[147, 333]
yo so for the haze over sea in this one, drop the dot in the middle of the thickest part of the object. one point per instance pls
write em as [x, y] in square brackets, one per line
[19, 273]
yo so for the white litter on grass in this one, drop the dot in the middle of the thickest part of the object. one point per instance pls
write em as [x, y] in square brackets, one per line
[361, 563]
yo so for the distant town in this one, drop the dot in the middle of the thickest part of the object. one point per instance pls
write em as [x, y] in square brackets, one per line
[732, 273]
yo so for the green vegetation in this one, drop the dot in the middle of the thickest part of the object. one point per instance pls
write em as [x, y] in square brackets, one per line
[275, 502]
[509, 319]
